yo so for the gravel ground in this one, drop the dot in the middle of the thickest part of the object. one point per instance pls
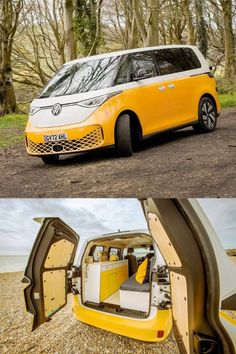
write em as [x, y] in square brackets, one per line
[176, 164]
[63, 334]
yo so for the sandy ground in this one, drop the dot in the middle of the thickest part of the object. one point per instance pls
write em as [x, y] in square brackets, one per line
[63, 334]
[176, 164]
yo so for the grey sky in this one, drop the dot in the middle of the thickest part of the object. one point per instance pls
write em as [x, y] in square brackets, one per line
[91, 217]
[88, 217]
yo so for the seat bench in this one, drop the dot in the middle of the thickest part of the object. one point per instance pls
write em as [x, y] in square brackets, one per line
[131, 284]
[135, 296]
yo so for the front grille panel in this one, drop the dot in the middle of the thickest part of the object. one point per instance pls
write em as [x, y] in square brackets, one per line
[89, 141]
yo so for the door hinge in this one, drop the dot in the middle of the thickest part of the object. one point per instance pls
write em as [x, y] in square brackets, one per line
[74, 280]
[161, 296]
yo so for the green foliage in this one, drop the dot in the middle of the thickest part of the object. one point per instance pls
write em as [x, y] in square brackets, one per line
[10, 140]
[227, 91]
[225, 86]
[228, 100]
[13, 121]
[11, 127]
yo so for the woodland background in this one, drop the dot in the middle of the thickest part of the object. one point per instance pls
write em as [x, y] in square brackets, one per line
[38, 36]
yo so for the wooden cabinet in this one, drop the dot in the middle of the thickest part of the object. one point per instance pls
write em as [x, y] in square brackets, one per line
[104, 278]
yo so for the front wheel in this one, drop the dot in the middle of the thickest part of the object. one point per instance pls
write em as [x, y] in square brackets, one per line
[207, 116]
[50, 159]
[123, 136]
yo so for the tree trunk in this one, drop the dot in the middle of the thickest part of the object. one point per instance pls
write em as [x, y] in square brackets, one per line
[201, 28]
[230, 63]
[69, 30]
[133, 34]
[96, 25]
[148, 23]
[88, 24]
[139, 21]
[191, 35]
[131, 25]
[7, 92]
[9, 16]
[153, 23]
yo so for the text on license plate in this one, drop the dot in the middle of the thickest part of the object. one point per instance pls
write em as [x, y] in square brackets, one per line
[55, 137]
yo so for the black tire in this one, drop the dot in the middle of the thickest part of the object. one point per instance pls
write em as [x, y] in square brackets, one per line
[123, 138]
[50, 159]
[207, 116]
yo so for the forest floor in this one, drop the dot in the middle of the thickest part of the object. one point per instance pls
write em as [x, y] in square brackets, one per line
[179, 163]
[64, 333]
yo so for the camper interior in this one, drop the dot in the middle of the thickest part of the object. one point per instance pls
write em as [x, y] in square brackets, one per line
[124, 275]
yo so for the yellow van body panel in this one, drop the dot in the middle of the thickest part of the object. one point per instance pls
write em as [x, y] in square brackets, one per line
[157, 110]
[145, 330]
[228, 318]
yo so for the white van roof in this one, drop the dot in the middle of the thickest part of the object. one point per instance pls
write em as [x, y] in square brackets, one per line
[120, 234]
[127, 51]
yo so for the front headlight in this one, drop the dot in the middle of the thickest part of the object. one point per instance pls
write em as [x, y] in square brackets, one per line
[34, 110]
[97, 101]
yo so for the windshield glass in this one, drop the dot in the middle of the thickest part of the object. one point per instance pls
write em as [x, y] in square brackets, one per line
[82, 77]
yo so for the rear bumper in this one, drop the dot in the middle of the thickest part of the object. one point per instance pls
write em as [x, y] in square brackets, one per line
[142, 329]
[78, 140]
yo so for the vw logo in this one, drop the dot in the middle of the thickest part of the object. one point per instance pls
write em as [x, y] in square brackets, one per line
[56, 109]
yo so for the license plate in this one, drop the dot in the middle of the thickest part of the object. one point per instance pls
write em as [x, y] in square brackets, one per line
[55, 137]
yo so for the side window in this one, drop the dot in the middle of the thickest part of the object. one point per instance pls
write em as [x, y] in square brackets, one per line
[175, 60]
[97, 252]
[125, 252]
[123, 76]
[114, 251]
[143, 65]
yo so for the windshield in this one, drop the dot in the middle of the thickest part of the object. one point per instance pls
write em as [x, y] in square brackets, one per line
[82, 77]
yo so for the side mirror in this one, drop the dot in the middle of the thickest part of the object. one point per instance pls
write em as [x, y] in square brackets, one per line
[142, 74]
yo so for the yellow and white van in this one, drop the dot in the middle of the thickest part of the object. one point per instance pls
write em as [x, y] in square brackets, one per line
[119, 98]
[140, 283]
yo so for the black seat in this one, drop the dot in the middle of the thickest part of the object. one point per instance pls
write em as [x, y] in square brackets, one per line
[132, 285]
[132, 262]
[151, 253]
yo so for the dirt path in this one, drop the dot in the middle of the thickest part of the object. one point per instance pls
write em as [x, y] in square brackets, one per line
[63, 334]
[179, 163]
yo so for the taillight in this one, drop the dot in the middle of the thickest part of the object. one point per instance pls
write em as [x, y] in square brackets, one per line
[160, 334]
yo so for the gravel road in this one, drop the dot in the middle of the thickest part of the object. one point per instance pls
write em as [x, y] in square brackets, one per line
[176, 164]
[63, 334]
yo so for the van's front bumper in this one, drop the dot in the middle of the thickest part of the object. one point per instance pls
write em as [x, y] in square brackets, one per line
[79, 139]
[155, 329]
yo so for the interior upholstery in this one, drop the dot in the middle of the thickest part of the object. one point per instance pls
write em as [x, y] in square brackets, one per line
[132, 285]
[133, 264]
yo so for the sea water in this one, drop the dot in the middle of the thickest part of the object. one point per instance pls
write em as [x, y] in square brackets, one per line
[12, 263]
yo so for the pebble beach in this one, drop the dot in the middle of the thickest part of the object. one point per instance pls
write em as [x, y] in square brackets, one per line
[63, 334]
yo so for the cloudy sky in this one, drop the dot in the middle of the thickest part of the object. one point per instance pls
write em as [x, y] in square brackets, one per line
[91, 217]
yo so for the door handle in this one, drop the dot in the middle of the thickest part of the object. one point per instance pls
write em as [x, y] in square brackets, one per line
[162, 88]
[171, 86]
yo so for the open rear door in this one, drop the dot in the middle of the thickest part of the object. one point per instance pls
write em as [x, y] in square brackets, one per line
[200, 275]
[51, 257]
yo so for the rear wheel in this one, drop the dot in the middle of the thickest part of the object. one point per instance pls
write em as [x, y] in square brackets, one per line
[50, 159]
[207, 116]
[123, 138]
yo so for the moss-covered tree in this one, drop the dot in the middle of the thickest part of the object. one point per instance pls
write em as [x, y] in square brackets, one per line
[87, 19]
[9, 20]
